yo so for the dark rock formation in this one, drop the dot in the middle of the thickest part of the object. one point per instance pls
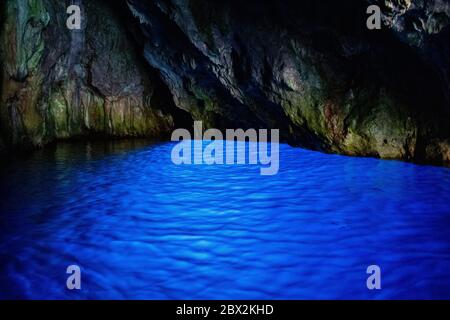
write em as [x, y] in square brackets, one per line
[58, 83]
[310, 68]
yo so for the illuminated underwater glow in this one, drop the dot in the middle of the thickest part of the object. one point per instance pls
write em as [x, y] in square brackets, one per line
[141, 227]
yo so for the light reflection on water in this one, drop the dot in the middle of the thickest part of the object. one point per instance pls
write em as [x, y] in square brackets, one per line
[141, 227]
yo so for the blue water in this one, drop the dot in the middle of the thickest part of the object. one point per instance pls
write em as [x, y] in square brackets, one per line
[140, 227]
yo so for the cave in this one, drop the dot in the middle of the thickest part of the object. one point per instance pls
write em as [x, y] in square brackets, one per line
[87, 123]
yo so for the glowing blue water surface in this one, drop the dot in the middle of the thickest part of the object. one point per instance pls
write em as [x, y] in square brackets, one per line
[141, 227]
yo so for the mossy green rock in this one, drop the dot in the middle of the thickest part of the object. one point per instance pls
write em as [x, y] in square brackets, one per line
[59, 83]
[313, 71]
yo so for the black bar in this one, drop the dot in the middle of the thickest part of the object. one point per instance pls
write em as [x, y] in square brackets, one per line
[229, 309]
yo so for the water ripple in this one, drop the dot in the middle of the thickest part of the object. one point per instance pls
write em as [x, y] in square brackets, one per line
[141, 227]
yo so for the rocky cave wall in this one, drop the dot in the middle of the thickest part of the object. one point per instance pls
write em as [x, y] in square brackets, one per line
[310, 68]
[59, 83]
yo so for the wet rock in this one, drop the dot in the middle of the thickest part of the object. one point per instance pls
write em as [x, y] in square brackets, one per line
[311, 69]
[59, 83]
